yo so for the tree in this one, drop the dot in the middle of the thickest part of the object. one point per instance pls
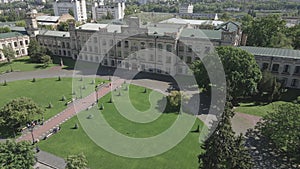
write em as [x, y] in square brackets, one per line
[109, 15]
[174, 100]
[18, 113]
[264, 30]
[21, 23]
[222, 149]
[71, 12]
[269, 88]
[4, 29]
[16, 155]
[281, 127]
[10, 54]
[63, 26]
[46, 60]
[241, 70]
[35, 51]
[76, 161]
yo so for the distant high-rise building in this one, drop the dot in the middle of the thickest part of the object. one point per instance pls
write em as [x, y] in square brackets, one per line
[100, 10]
[184, 8]
[73, 7]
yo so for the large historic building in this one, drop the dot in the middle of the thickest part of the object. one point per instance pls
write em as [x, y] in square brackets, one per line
[149, 48]
[162, 48]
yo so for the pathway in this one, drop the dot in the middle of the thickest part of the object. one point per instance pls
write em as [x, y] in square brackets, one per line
[41, 131]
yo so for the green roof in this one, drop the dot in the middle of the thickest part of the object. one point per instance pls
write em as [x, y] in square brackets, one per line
[201, 33]
[274, 52]
[10, 35]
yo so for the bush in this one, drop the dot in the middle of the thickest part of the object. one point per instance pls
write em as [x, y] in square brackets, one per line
[33, 80]
[63, 98]
[5, 83]
[101, 106]
[50, 105]
[46, 60]
[59, 78]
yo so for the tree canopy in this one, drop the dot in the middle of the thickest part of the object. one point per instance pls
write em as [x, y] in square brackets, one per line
[16, 155]
[18, 112]
[36, 51]
[76, 161]
[268, 31]
[281, 127]
[222, 149]
[9, 53]
[241, 71]
[269, 88]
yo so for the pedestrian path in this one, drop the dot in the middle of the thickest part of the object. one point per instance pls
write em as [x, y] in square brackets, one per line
[82, 104]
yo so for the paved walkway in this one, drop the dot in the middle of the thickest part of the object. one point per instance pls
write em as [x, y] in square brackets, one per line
[41, 131]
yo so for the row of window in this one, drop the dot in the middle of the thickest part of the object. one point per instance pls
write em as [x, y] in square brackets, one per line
[16, 44]
[286, 68]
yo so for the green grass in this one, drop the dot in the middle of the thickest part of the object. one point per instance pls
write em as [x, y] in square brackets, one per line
[257, 110]
[21, 64]
[73, 141]
[261, 110]
[44, 91]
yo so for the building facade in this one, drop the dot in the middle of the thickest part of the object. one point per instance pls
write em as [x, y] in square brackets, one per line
[77, 7]
[162, 48]
[283, 63]
[17, 41]
[100, 10]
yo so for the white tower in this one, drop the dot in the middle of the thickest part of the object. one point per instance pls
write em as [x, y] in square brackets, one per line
[31, 24]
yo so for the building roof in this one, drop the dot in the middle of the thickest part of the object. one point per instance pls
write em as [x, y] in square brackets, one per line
[161, 31]
[192, 22]
[10, 35]
[201, 33]
[54, 33]
[45, 18]
[274, 52]
[17, 29]
[96, 26]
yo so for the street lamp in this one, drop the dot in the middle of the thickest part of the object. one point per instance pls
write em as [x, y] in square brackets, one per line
[96, 90]
[31, 127]
[81, 92]
[155, 46]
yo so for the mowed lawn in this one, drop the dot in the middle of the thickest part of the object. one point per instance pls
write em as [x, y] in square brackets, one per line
[263, 109]
[45, 91]
[21, 64]
[73, 141]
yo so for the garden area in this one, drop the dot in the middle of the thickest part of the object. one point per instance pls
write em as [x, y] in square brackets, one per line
[74, 141]
[249, 107]
[50, 94]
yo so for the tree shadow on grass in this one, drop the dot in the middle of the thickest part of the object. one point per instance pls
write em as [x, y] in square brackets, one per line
[265, 154]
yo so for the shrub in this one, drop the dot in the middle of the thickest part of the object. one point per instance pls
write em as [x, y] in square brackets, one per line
[50, 105]
[33, 80]
[59, 78]
[63, 98]
[5, 83]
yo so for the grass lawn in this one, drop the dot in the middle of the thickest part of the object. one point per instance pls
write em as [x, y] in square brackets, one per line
[261, 110]
[21, 64]
[73, 141]
[44, 91]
